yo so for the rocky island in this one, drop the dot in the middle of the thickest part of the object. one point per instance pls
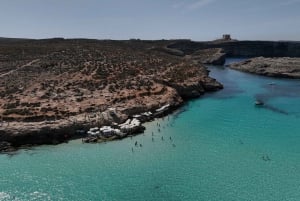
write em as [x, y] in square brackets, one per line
[53, 90]
[284, 67]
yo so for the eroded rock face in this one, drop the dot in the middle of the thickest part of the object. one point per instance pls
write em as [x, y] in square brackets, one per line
[274, 67]
[242, 48]
[214, 56]
[5, 146]
[56, 87]
[196, 89]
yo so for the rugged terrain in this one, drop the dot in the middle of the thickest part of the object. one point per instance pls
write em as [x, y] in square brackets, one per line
[234, 48]
[50, 89]
[285, 67]
[214, 56]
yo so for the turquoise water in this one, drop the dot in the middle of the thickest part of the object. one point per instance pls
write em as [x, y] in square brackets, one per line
[223, 148]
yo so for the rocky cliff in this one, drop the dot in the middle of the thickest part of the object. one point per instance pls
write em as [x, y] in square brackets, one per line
[275, 67]
[214, 56]
[242, 48]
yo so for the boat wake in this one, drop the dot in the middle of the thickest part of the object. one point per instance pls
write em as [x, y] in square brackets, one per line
[275, 109]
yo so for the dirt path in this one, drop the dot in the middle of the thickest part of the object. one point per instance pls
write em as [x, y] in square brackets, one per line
[18, 68]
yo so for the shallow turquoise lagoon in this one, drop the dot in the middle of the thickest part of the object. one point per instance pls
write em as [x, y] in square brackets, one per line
[222, 148]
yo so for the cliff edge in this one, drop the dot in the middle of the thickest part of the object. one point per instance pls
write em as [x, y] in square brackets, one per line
[284, 67]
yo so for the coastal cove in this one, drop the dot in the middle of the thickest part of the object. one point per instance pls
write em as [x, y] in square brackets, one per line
[218, 147]
[66, 86]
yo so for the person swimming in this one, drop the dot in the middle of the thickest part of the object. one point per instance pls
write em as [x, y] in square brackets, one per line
[266, 158]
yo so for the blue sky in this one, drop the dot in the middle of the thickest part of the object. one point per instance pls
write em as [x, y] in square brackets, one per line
[151, 19]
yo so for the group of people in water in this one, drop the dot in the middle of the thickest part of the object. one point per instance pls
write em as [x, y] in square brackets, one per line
[265, 158]
[137, 144]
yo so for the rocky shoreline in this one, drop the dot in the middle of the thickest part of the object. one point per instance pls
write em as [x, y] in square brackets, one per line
[18, 135]
[55, 90]
[283, 67]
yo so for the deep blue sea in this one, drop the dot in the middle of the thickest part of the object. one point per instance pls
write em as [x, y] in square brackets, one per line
[220, 147]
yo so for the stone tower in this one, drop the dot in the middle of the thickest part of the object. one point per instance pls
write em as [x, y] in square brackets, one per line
[226, 37]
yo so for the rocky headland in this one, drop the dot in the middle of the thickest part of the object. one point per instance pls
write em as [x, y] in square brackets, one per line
[284, 67]
[213, 56]
[54, 90]
[235, 48]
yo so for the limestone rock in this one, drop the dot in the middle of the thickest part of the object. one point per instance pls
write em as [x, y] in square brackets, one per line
[284, 67]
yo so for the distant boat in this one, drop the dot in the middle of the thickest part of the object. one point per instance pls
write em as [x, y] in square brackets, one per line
[258, 102]
[272, 83]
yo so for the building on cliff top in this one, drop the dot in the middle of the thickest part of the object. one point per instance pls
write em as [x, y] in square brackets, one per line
[226, 37]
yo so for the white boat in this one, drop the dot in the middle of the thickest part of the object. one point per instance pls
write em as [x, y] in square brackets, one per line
[258, 102]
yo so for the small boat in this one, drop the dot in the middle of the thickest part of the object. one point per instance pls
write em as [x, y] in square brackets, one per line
[258, 103]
